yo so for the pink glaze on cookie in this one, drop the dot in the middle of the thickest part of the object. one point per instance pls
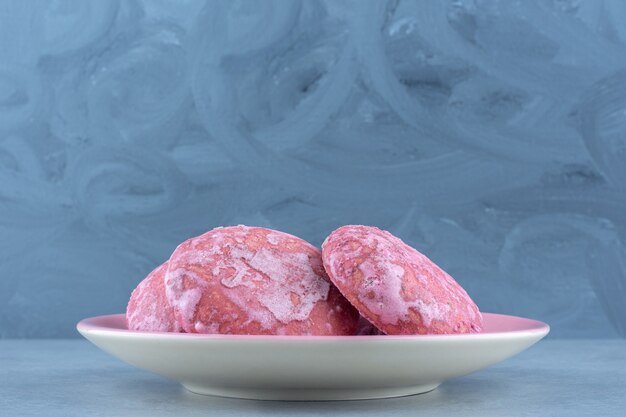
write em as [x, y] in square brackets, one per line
[252, 280]
[394, 286]
[148, 309]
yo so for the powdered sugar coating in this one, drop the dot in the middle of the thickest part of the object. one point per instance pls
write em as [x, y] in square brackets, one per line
[252, 280]
[148, 309]
[396, 287]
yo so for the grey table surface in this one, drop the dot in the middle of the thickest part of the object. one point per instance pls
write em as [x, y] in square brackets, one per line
[73, 378]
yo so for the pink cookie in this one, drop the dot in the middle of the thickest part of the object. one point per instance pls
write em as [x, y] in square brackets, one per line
[148, 309]
[394, 286]
[251, 280]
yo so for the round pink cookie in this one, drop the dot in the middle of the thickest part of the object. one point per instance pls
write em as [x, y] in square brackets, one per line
[394, 286]
[251, 280]
[148, 309]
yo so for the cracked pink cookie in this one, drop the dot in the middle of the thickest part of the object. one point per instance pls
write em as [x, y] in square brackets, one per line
[148, 309]
[394, 286]
[252, 280]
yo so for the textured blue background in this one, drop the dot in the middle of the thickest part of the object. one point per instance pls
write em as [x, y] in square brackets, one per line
[490, 135]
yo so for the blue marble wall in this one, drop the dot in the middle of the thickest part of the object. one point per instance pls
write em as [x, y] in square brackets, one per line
[491, 135]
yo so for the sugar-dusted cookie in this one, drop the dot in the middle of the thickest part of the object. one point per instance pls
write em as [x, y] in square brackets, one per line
[394, 286]
[252, 280]
[148, 309]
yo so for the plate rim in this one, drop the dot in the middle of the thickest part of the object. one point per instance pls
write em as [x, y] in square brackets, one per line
[86, 326]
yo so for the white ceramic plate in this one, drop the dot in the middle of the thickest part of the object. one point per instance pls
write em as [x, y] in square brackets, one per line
[313, 367]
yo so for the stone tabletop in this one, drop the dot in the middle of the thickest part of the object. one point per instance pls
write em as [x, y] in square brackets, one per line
[74, 378]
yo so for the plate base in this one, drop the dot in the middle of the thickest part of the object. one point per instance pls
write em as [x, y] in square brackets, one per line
[311, 394]
[313, 367]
